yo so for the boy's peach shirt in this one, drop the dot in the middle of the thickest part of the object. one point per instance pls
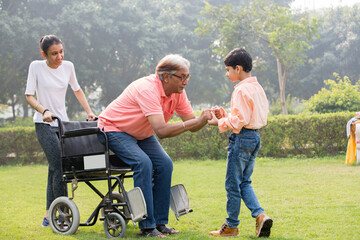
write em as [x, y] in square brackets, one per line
[128, 112]
[249, 107]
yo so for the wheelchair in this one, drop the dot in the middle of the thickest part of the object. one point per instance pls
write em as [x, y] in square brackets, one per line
[85, 159]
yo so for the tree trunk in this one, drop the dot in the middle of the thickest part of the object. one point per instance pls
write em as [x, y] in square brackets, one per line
[13, 106]
[26, 110]
[282, 84]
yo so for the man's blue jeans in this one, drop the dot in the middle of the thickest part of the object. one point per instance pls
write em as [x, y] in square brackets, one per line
[242, 151]
[152, 172]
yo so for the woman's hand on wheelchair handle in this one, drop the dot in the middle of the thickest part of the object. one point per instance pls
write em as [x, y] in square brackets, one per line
[47, 117]
[91, 117]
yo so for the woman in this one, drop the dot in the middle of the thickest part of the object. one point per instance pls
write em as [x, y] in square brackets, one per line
[49, 79]
[132, 119]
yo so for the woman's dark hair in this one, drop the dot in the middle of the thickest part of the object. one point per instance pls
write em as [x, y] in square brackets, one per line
[239, 56]
[47, 41]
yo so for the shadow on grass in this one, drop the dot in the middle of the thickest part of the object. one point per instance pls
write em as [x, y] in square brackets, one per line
[97, 232]
[199, 236]
[277, 238]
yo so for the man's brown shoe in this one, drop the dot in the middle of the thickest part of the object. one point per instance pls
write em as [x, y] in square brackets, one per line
[263, 225]
[225, 231]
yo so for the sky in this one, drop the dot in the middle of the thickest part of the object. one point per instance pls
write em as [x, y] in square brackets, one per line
[316, 4]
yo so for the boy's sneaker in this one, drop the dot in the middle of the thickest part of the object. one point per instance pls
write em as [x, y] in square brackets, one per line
[263, 225]
[225, 231]
[45, 222]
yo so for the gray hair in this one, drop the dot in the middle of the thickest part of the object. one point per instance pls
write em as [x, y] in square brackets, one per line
[171, 64]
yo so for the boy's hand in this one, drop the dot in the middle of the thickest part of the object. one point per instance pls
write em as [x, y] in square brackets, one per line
[219, 112]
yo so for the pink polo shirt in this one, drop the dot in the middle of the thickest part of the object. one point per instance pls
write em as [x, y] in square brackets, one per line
[249, 107]
[143, 97]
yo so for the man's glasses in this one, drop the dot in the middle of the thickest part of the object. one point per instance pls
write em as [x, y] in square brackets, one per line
[183, 78]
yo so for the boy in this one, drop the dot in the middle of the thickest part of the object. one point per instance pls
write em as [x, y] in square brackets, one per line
[249, 110]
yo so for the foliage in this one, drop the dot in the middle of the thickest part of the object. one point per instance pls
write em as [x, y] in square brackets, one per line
[284, 135]
[3, 107]
[114, 42]
[287, 36]
[16, 50]
[111, 43]
[336, 51]
[340, 96]
[294, 106]
[20, 146]
[261, 24]
[206, 143]
[18, 122]
[305, 135]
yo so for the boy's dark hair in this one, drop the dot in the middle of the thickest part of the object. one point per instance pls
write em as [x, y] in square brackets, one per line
[239, 56]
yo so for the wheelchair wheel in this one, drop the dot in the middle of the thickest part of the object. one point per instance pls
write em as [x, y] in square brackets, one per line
[118, 198]
[64, 216]
[114, 225]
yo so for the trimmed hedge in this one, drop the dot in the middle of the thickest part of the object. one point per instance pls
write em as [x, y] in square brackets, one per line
[19, 145]
[284, 136]
[307, 135]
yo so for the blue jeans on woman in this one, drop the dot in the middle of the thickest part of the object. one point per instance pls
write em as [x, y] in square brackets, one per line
[152, 169]
[242, 151]
[49, 141]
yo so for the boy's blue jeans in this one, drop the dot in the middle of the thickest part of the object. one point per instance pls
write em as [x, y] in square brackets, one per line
[242, 151]
[152, 169]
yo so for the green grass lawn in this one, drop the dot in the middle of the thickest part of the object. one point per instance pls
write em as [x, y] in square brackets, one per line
[306, 198]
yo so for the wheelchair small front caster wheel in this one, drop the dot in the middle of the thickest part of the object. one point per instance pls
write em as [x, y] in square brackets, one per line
[118, 198]
[114, 225]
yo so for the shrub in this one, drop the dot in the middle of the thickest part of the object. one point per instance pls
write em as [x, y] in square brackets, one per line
[19, 145]
[285, 135]
[18, 122]
[341, 96]
[207, 143]
[305, 135]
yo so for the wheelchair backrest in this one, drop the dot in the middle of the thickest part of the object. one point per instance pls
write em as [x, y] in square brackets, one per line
[80, 145]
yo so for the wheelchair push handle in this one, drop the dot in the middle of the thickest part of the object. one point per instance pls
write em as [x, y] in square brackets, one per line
[96, 118]
[56, 118]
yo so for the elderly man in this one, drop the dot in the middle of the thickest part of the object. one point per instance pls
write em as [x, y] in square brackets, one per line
[132, 119]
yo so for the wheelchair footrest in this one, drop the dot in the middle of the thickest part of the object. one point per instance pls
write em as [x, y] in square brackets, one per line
[137, 204]
[179, 202]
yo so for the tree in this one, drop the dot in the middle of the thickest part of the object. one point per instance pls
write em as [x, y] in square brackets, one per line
[287, 36]
[262, 24]
[340, 96]
[336, 50]
[111, 43]
[16, 50]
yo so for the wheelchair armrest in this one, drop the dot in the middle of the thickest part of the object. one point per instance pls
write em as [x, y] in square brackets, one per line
[81, 132]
